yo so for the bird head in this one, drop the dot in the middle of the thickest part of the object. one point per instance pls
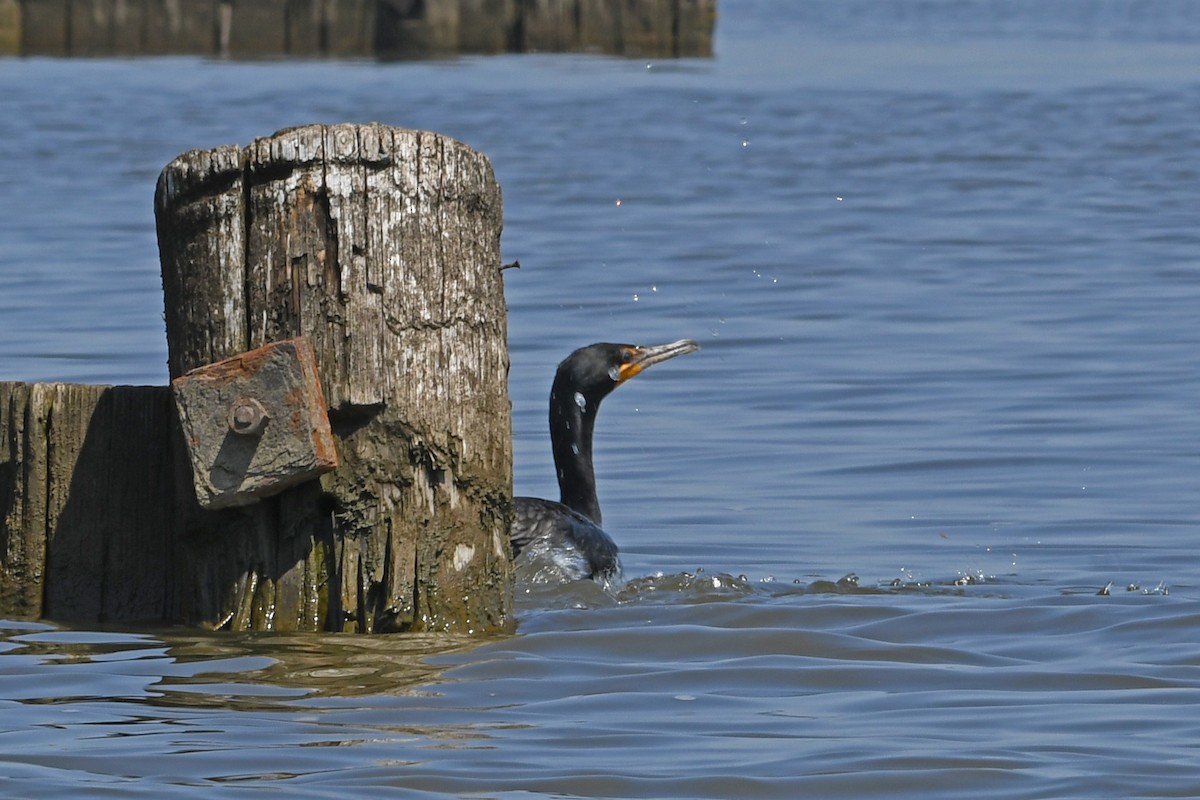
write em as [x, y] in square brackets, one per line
[594, 371]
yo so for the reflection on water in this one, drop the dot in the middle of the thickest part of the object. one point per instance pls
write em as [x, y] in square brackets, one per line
[943, 262]
[203, 669]
[708, 685]
[335, 665]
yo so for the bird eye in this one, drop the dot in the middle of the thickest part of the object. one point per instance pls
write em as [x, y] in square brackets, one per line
[626, 356]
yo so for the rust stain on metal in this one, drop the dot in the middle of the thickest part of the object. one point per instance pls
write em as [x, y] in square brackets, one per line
[225, 408]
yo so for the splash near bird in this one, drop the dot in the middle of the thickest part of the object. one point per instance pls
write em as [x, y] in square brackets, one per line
[569, 531]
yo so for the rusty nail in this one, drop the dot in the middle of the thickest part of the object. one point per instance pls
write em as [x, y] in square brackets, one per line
[247, 417]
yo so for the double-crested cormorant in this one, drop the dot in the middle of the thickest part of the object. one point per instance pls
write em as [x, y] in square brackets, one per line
[569, 531]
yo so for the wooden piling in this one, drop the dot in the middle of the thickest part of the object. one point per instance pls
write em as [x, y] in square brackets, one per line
[86, 489]
[694, 23]
[255, 28]
[388, 29]
[347, 28]
[487, 26]
[305, 28]
[407, 29]
[548, 26]
[179, 27]
[44, 29]
[382, 246]
[645, 25]
[10, 27]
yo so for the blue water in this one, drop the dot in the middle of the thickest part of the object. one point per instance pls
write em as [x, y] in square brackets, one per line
[942, 261]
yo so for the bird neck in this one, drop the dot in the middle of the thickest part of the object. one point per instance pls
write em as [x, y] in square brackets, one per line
[571, 425]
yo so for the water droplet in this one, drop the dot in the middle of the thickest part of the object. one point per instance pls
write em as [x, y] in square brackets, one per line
[635, 297]
[575, 449]
[581, 401]
[614, 373]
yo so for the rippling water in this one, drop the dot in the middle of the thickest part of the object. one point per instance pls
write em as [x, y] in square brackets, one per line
[918, 520]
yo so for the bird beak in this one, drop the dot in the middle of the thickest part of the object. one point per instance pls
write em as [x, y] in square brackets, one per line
[646, 356]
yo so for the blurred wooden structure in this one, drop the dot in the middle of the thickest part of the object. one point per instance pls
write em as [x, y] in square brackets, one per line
[389, 29]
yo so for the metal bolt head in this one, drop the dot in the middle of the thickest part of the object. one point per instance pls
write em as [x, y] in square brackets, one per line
[247, 417]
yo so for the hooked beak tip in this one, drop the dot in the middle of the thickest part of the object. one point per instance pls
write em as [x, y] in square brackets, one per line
[647, 356]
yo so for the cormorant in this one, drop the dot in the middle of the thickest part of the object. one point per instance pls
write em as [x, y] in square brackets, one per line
[569, 531]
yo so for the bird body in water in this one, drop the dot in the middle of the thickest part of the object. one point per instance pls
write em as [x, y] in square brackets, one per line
[568, 532]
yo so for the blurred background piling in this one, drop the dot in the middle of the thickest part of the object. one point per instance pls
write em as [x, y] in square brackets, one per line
[388, 29]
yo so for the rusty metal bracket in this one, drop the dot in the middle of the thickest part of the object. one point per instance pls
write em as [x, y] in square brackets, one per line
[255, 424]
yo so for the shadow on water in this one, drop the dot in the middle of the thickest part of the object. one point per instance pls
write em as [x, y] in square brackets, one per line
[199, 669]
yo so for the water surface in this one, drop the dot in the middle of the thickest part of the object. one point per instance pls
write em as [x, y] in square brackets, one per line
[919, 518]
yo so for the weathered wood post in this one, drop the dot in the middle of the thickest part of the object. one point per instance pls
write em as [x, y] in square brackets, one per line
[404, 29]
[382, 246]
[86, 492]
[10, 27]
